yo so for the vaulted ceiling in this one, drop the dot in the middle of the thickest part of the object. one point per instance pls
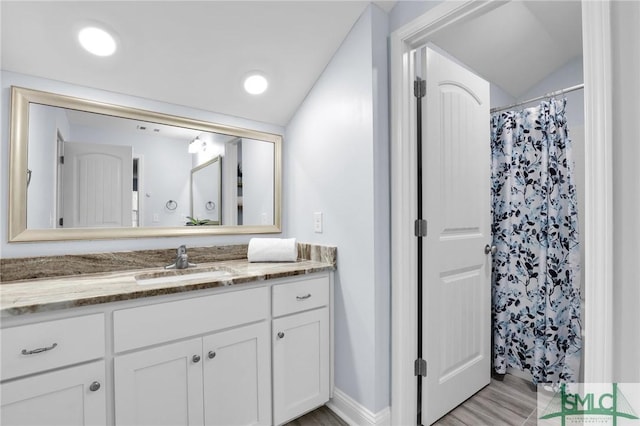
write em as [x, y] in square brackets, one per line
[193, 53]
[517, 44]
[196, 53]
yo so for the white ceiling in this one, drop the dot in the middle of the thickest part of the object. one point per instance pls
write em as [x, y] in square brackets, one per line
[196, 53]
[192, 53]
[527, 41]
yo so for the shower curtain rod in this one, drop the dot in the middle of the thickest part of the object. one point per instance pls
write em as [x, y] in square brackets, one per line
[547, 95]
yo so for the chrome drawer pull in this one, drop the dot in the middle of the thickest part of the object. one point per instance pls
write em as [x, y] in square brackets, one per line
[37, 351]
[306, 296]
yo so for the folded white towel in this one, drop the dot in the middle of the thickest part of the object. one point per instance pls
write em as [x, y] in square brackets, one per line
[272, 250]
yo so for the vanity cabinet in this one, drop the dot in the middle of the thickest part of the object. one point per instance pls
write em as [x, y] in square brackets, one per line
[237, 377]
[160, 386]
[72, 396]
[52, 373]
[220, 378]
[255, 354]
[301, 348]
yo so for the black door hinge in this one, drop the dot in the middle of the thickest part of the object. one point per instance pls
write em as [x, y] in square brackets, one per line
[420, 228]
[62, 159]
[419, 88]
[420, 367]
[60, 222]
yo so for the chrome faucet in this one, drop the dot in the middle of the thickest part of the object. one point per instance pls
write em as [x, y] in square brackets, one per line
[182, 260]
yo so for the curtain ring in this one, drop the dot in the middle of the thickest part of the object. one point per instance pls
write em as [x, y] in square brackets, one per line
[210, 205]
[171, 205]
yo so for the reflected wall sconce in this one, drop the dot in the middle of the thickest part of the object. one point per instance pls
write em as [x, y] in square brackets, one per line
[197, 145]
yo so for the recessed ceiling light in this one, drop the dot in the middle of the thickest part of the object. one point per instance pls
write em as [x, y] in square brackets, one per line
[255, 83]
[97, 41]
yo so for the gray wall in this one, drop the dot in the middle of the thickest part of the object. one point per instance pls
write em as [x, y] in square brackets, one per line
[337, 163]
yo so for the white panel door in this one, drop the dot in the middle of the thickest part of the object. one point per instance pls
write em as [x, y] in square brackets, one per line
[160, 386]
[98, 185]
[237, 377]
[64, 397]
[456, 194]
[300, 363]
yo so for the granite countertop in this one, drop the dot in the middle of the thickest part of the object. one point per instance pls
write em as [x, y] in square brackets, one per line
[40, 284]
[49, 294]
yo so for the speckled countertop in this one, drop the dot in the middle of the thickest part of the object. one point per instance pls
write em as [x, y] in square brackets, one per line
[81, 289]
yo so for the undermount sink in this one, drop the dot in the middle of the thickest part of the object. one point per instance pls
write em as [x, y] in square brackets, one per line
[179, 275]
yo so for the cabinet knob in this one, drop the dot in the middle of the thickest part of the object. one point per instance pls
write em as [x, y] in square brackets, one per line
[211, 354]
[196, 358]
[94, 386]
[280, 335]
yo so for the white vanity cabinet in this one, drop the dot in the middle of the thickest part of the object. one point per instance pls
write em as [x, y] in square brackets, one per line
[219, 378]
[258, 353]
[237, 377]
[301, 347]
[53, 373]
[160, 386]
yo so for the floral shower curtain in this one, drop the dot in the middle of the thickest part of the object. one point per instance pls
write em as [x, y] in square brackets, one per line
[536, 271]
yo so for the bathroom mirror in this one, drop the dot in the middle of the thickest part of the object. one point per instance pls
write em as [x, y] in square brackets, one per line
[81, 169]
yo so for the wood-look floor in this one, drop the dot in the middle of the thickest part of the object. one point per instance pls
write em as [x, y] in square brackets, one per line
[507, 402]
[322, 416]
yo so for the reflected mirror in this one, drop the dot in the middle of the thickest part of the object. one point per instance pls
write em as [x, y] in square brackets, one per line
[205, 193]
[81, 169]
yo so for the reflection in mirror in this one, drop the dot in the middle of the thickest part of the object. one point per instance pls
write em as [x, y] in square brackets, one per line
[106, 172]
[206, 190]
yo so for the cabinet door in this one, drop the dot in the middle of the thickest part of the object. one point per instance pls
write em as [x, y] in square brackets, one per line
[160, 386]
[237, 376]
[64, 397]
[300, 363]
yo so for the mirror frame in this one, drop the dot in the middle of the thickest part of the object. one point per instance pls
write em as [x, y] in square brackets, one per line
[18, 151]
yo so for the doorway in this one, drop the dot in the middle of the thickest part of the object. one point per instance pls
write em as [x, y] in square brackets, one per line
[596, 53]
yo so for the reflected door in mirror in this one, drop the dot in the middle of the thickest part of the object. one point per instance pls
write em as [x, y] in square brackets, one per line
[97, 185]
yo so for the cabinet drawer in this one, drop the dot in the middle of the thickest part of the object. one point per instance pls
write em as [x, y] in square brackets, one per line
[163, 322]
[42, 346]
[300, 296]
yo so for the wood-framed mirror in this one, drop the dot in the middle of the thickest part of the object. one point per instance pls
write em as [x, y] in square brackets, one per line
[82, 169]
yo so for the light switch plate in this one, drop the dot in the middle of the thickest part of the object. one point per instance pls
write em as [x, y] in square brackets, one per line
[317, 222]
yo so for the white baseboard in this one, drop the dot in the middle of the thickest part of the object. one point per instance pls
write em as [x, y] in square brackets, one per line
[354, 413]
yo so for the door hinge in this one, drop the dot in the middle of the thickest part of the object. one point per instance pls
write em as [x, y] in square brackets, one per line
[420, 228]
[420, 367]
[60, 221]
[61, 159]
[419, 88]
